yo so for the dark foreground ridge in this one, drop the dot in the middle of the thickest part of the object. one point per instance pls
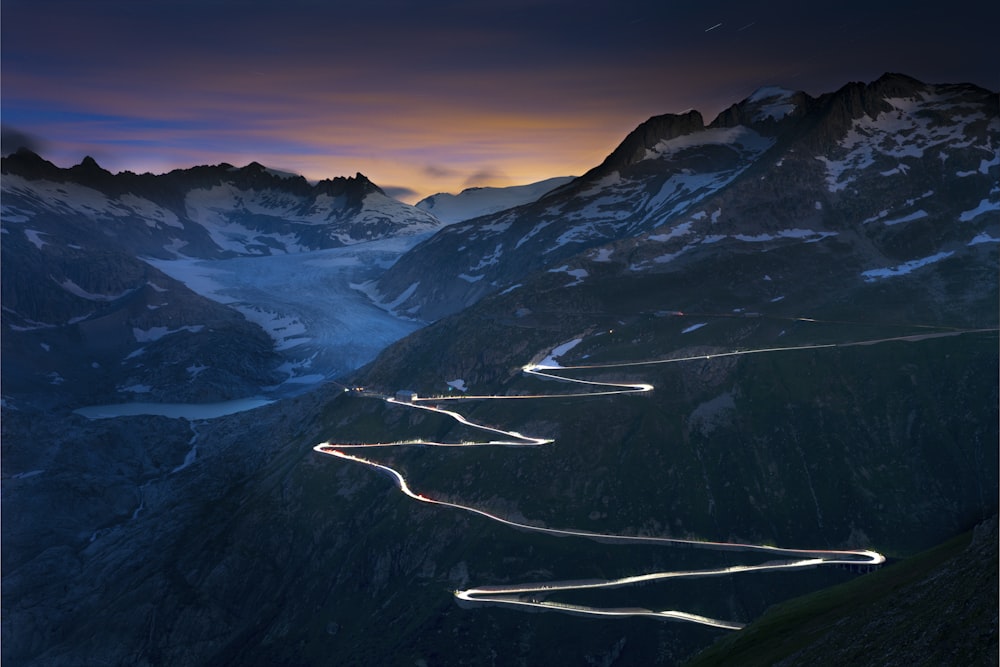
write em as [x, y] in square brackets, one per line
[936, 608]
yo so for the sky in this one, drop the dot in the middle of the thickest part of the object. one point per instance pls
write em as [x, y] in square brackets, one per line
[438, 95]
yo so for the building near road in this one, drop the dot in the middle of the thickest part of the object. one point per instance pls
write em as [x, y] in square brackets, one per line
[406, 396]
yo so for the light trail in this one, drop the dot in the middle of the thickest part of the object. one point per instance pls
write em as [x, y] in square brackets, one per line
[512, 595]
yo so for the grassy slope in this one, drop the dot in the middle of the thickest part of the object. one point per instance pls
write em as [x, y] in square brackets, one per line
[790, 631]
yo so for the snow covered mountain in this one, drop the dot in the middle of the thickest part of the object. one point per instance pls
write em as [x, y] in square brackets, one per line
[874, 167]
[474, 202]
[809, 284]
[205, 212]
[89, 316]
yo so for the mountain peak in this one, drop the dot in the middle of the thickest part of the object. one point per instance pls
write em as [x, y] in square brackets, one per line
[357, 186]
[898, 81]
[769, 93]
[647, 135]
[90, 164]
[25, 162]
[765, 107]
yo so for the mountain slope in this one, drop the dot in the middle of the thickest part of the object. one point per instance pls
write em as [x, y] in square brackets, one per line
[814, 387]
[876, 166]
[88, 320]
[205, 212]
[475, 202]
[892, 617]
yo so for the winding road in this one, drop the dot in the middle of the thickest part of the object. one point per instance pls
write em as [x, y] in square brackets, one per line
[525, 595]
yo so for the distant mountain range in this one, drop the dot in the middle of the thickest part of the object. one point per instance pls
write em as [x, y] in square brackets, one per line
[826, 268]
[475, 202]
[86, 318]
[84, 249]
[205, 212]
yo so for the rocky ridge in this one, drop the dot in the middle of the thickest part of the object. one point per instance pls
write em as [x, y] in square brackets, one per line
[902, 172]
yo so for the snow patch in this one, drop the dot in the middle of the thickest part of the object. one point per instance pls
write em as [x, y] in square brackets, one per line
[534, 230]
[195, 370]
[774, 103]
[983, 238]
[905, 268]
[579, 274]
[694, 327]
[35, 237]
[603, 255]
[907, 218]
[156, 333]
[984, 206]
[76, 290]
[558, 351]
[906, 131]
[491, 259]
[808, 235]
[740, 138]
[678, 230]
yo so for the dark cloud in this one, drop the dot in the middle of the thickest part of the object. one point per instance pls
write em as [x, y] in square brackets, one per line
[439, 171]
[487, 176]
[12, 139]
[400, 192]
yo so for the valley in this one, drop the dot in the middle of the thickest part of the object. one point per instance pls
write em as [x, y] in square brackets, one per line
[527, 595]
[310, 304]
[737, 362]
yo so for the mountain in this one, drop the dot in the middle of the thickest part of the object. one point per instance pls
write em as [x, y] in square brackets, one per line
[895, 173]
[822, 356]
[205, 212]
[89, 316]
[475, 202]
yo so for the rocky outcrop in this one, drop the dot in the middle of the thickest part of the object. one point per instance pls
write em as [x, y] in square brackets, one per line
[646, 136]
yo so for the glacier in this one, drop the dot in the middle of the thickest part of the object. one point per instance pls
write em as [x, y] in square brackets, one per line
[321, 324]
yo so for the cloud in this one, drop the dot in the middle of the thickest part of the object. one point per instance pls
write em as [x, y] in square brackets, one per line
[12, 139]
[487, 176]
[438, 171]
[400, 192]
